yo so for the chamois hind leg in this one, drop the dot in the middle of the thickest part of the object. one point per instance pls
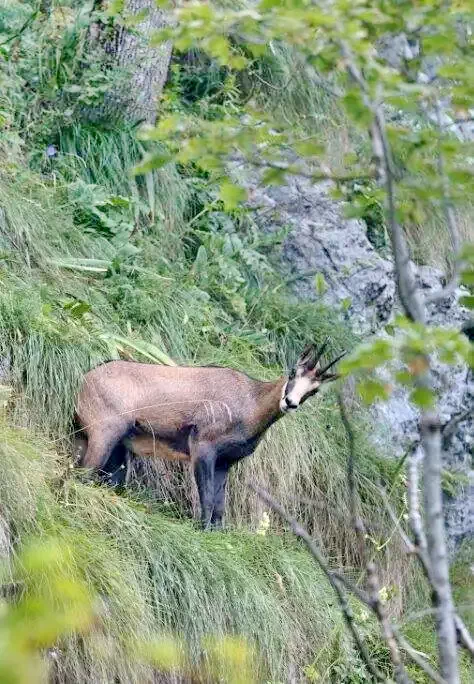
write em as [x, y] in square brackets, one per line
[203, 456]
[220, 481]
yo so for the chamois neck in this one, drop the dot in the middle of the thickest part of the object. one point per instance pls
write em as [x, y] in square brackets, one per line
[269, 396]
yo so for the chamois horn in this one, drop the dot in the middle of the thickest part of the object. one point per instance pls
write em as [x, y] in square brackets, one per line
[321, 350]
[331, 364]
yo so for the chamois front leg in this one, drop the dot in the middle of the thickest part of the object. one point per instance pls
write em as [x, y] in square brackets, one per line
[203, 456]
[102, 439]
[220, 481]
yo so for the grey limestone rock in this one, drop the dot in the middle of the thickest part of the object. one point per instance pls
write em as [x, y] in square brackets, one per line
[360, 286]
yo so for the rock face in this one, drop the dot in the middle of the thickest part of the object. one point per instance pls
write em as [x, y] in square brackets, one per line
[360, 285]
[357, 281]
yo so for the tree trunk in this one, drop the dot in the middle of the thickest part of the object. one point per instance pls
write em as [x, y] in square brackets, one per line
[145, 68]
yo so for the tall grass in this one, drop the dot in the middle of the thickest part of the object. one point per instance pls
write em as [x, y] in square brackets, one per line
[106, 156]
[50, 347]
[154, 575]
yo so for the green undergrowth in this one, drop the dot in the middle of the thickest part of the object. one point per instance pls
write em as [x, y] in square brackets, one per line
[154, 575]
[75, 292]
[419, 626]
[62, 313]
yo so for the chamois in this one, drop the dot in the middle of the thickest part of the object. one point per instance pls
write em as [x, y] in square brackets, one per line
[210, 416]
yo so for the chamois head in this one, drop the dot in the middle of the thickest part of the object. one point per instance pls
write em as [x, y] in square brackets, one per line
[306, 377]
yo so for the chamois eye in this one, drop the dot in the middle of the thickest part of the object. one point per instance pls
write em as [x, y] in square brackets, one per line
[292, 374]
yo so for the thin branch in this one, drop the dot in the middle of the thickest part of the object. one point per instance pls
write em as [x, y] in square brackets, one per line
[464, 637]
[420, 548]
[371, 600]
[413, 304]
[334, 581]
[351, 481]
[416, 522]
[436, 544]
[299, 171]
[396, 521]
[24, 26]
[406, 284]
[417, 658]
[361, 594]
[449, 428]
[450, 218]
[387, 629]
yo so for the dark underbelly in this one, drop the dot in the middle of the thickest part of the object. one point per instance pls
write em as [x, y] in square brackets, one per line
[178, 440]
[228, 451]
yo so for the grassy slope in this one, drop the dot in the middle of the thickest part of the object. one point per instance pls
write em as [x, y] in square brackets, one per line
[157, 572]
[158, 575]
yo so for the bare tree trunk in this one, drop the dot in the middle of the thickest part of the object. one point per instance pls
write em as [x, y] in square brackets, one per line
[414, 307]
[145, 68]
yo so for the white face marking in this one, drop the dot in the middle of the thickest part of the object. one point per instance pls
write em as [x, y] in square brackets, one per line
[300, 387]
[283, 406]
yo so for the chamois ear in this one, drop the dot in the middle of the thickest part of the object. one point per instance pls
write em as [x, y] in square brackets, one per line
[308, 358]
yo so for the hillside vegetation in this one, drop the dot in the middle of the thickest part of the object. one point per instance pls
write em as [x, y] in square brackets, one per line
[98, 264]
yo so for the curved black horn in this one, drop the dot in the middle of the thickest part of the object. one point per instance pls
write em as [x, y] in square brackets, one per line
[322, 349]
[330, 365]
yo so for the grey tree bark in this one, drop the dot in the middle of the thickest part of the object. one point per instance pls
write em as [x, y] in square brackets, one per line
[145, 68]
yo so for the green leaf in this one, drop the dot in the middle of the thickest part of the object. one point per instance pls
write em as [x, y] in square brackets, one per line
[346, 303]
[273, 176]
[356, 108]
[368, 356]
[467, 301]
[320, 283]
[91, 265]
[153, 161]
[373, 390]
[231, 195]
[146, 349]
[309, 148]
[115, 7]
[219, 47]
[423, 397]
[404, 377]
[118, 201]
[467, 277]
[77, 308]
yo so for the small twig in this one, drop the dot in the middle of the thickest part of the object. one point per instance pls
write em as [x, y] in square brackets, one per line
[407, 288]
[430, 612]
[270, 85]
[416, 522]
[417, 658]
[450, 217]
[420, 548]
[334, 581]
[450, 427]
[298, 171]
[351, 480]
[464, 638]
[396, 521]
[23, 28]
[385, 625]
